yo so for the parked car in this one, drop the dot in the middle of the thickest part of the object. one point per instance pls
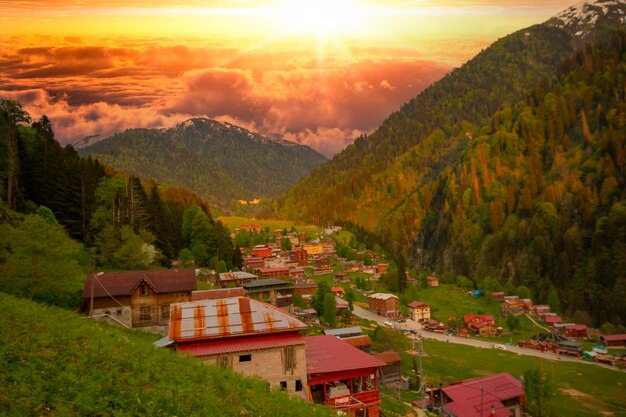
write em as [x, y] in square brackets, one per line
[499, 346]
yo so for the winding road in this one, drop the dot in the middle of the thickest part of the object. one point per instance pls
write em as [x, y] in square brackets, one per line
[415, 326]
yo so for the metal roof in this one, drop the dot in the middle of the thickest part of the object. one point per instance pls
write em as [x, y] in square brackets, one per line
[389, 357]
[613, 337]
[215, 294]
[245, 344]
[467, 396]
[416, 304]
[347, 331]
[265, 283]
[233, 276]
[228, 317]
[382, 296]
[124, 283]
[327, 354]
[358, 341]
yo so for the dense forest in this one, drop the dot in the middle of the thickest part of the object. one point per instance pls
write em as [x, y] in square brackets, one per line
[531, 195]
[220, 162]
[63, 215]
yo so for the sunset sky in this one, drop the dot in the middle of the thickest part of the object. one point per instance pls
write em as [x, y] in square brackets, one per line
[317, 72]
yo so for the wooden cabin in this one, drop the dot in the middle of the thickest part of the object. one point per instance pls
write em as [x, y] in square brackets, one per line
[137, 298]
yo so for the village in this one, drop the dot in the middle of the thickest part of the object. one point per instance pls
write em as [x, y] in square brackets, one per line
[265, 321]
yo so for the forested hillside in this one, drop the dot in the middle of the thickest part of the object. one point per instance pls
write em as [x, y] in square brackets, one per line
[220, 162]
[55, 363]
[63, 215]
[514, 170]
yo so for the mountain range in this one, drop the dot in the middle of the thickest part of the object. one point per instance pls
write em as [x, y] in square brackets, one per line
[510, 170]
[218, 161]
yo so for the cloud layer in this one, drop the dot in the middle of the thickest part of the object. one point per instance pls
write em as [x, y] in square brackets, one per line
[89, 87]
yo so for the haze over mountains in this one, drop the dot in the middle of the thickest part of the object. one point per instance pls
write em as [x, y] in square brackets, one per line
[218, 161]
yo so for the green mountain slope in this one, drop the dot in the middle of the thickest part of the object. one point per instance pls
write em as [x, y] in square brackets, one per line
[56, 363]
[507, 168]
[220, 162]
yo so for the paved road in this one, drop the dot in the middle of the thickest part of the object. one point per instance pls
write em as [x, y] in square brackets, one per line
[415, 326]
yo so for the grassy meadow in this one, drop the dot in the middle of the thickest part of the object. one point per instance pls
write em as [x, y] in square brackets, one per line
[234, 222]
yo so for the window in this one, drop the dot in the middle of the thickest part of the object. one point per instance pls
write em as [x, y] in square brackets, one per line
[283, 385]
[144, 313]
[298, 385]
[119, 312]
[245, 358]
[108, 313]
[165, 311]
[144, 290]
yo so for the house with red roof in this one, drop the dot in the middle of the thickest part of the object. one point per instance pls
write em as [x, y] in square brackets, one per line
[575, 331]
[419, 311]
[249, 336]
[481, 324]
[261, 251]
[338, 291]
[498, 395]
[390, 375]
[342, 377]
[613, 340]
[137, 298]
[551, 320]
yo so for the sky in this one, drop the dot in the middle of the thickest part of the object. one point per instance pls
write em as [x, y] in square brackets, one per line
[318, 72]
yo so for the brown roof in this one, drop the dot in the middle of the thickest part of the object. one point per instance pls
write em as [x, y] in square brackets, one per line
[358, 341]
[215, 294]
[416, 304]
[124, 283]
[389, 357]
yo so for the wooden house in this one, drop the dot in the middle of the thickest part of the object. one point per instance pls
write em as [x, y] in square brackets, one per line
[249, 336]
[261, 251]
[254, 263]
[215, 294]
[386, 305]
[513, 306]
[137, 298]
[342, 377]
[575, 331]
[389, 375]
[353, 336]
[419, 311]
[274, 291]
[313, 248]
[323, 262]
[498, 395]
[338, 291]
[278, 272]
[299, 256]
[613, 341]
[551, 320]
[237, 278]
[382, 268]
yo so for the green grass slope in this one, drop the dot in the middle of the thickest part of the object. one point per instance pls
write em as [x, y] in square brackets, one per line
[56, 363]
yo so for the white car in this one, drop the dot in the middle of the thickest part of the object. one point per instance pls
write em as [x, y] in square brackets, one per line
[388, 323]
[499, 346]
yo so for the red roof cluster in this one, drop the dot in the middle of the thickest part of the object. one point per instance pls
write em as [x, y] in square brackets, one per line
[124, 283]
[215, 294]
[468, 396]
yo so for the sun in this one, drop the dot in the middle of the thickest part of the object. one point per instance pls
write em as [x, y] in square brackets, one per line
[321, 18]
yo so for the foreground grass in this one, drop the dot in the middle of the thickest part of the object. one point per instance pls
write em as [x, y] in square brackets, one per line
[56, 363]
[233, 222]
[582, 390]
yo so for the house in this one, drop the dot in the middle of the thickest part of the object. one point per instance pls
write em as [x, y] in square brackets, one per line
[386, 305]
[419, 311]
[342, 277]
[275, 291]
[342, 377]
[497, 295]
[254, 263]
[351, 266]
[305, 287]
[498, 395]
[225, 279]
[320, 270]
[323, 262]
[261, 251]
[575, 331]
[309, 314]
[338, 291]
[249, 336]
[513, 306]
[278, 272]
[483, 329]
[313, 248]
[434, 326]
[552, 320]
[389, 375]
[296, 272]
[299, 256]
[613, 340]
[432, 281]
[473, 318]
[382, 268]
[251, 227]
[137, 298]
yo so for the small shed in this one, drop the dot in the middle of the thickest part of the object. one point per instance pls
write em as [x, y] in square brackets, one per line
[389, 375]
